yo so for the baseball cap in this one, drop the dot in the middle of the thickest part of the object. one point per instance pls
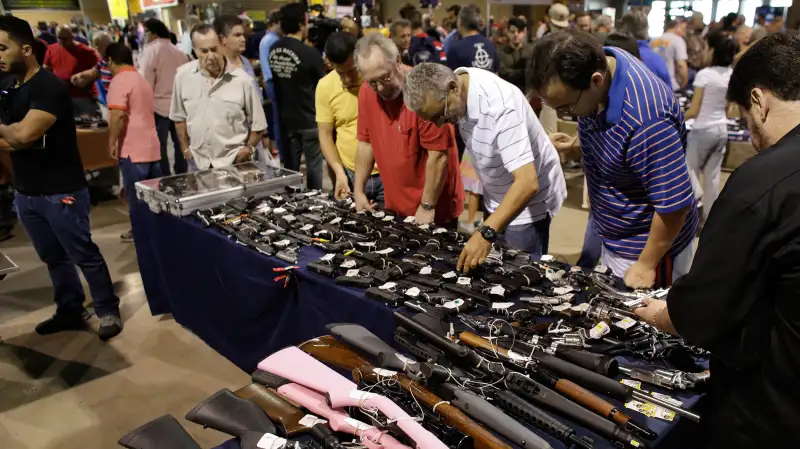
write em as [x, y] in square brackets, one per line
[559, 15]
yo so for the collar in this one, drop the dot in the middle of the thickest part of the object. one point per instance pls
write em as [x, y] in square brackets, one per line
[473, 99]
[230, 70]
[619, 83]
[789, 138]
[127, 68]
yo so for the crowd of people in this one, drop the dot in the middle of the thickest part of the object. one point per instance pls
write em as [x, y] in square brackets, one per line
[411, 118]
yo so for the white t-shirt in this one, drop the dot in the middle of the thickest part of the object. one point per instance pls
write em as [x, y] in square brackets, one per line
[502, 134]
[672, 49]
[714, 81]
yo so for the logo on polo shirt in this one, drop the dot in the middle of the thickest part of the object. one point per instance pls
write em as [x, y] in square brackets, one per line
[482, 60]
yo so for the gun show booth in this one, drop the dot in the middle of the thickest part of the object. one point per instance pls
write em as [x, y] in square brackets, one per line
[357, 327]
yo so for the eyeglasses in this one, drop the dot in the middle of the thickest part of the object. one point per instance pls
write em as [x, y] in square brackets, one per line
[567, 108]
[442, 119]
[383, 81]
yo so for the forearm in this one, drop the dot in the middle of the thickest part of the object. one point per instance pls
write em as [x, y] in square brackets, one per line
[254, 138]
[663, 231]
[183, 136]
[115, 125]
[516, 198]
[435, 175]
[364, 163]
[663, 321]
[4, 146]
[329, 151]
[683, 73]
[15, 135]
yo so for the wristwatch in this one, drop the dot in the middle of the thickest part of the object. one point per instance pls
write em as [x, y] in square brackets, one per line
[488, 234]
[428, 206]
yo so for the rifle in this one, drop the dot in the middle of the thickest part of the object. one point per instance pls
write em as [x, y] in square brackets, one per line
[291, 419]
[330, 350]
[161, 433]
[667, 378]
[295, 365]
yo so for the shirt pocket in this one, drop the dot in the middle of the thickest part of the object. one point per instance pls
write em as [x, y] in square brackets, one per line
[405, 134]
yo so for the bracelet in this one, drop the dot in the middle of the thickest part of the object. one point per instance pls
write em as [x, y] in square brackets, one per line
[655, 316]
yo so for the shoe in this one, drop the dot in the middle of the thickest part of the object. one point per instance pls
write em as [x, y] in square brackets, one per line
[110, 327]
[127, 237]
[60, 323]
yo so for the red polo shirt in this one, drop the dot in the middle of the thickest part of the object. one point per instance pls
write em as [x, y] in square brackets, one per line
[399, 139]
[67, 62]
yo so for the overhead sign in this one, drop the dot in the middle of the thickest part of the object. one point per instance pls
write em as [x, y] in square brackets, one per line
[118, 9]
[155, 4]
[522, 2]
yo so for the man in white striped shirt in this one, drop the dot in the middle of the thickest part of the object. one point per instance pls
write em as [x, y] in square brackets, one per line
[523, 185]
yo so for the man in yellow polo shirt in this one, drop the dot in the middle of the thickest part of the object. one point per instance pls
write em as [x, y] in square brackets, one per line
[337, 108]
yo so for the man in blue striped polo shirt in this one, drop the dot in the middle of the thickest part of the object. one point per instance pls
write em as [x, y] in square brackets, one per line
[631, 138]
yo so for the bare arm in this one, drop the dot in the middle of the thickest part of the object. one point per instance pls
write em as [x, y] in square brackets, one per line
[254, 138]
[663, 231]
[683, 73]
[183, 137]
[328, 147]
[435, 175]
[116, 123]
[86, 78]
[32, 128]
[697, 101]
[365, 160]
[526, 184]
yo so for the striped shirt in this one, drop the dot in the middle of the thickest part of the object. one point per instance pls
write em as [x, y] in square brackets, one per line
[634, 162]
[501, 133]
[105, 75]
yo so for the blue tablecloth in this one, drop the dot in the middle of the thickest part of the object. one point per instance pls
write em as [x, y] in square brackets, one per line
[226, 294]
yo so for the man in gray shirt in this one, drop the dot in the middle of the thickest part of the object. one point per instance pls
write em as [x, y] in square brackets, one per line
[672, 47]
[215, 106]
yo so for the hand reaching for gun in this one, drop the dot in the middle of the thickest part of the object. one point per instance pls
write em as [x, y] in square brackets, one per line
[474, 253]
[341, 189]
[363, 203]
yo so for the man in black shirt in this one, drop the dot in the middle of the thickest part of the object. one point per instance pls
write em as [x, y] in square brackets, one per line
[52, 199]
[296, 70]
[741, 299]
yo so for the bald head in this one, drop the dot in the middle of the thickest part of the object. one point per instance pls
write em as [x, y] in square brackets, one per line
[101, 40]
[65, 36]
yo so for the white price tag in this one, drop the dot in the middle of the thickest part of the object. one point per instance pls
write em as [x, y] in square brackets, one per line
[311, 421]
[380, 214]
[601, 269]
[409, 220]
[351, 222]
[518, 357]
[425, 226]
[384, 251]
[307, 227]
[581, 307]
[464, 281]
[283, 242]
[449, 275]
[558, 291]
[384, 372]
[352, 273]
[366, 244]
[454, 304]
[625, 323]
[651, 410]
[269, 232]
[632, 383]
[547, 258]
[349, 263]
[388, 218]
[497, 290]
[387, 286]
[550, 274]
[404, 359]
[501, 305]
[413, 292]
[218, 217]
[666, 398]
[270, 441]
[439, 231]
[562, 307]
[358, 425]
[335, 220]
[328, 257]
[289, 218]
[278, 210]
[359, 395]
[599, 330]
[426, 270]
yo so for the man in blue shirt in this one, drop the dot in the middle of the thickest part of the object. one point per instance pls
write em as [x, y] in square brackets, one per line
[423, 48]
[635, 24]
[271, 110]
[473, 49]
[452, 36]
[631, 137]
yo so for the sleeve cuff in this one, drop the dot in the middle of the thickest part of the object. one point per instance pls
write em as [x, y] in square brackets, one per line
[117, 106]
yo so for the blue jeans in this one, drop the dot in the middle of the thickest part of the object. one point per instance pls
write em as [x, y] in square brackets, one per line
[164, 129]
[531, 237]
[304, 142]
[133, 172]
[373, 189]
[61, 235]
[273, 125]
[592, 245]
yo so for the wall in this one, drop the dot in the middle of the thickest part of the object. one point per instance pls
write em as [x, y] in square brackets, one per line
[95, 10]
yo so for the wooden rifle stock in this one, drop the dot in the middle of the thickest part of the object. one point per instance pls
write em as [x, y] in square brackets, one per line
[277, 408]
[566, 387]
[334, 352]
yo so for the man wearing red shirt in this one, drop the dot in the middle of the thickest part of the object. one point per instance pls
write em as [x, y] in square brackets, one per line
[67, 58]
[418, 160]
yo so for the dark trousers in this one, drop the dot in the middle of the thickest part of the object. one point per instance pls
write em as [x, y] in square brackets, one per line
[373, 189]
[133, 172]
[166, 128]
[531, 237]
[61, 235]
[304, 142]
[592, 245]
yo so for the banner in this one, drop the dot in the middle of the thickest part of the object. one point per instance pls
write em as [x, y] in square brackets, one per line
[118, 9]
[155, 4]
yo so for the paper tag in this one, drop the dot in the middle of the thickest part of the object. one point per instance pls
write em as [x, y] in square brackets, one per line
[666, 398]
[320, 232]
[289, 218]
[269, 232]
[278, 210]
[270, 441]
[581, 307]
[497, 290]
[387, 286]
[562, 307]
[328, 257]
[632, 383]
[366, 244]
[501, 305]
[358, 425]
[439, 231]
[651, 410]
[625, 323]
[218, 217]
[352, 273]
[464, 281]
[404, 359]
[409, 220]
[283, 242]
[426, 270]
[425, 226]
[384, 251]
[518, 357]
[388, 218]
[335, 220]
[599, 330]
[380, 214]
[413, 292]
[454, 304]
[550, 274]
[359, 395]
[558, 291]
[547, 258]
[601, 269]
[311, 421]
[449, 275]
[349, 263]
[351, 222]
[307, 227]
[384, 372]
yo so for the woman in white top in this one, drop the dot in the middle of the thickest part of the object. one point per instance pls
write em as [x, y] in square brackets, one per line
[708, 138]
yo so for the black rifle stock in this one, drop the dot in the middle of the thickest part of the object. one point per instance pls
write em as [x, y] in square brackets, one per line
[164, 432]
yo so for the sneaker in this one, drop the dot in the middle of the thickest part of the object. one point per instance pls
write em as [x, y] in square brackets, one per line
[127, 237]
[60, 323]
[110, 327]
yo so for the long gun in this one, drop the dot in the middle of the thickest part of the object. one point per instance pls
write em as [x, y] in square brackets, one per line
[291, 419]
[563, 386]
[334, 352]
[299, 367]
[339, 421]
[164, 432]
[534, 391]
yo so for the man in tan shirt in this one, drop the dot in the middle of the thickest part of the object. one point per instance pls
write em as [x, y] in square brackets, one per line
[215, 106]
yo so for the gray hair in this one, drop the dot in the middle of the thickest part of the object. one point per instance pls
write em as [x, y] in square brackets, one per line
[635, 24]
[101, 36]
[369, 42]
[470, 17]
[398, 23]
[604, 21]
[425, 80]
